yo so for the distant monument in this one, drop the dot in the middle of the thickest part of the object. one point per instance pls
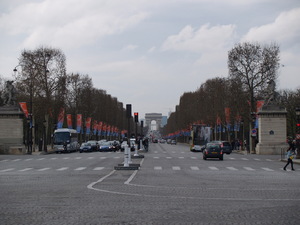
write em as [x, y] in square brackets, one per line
[11, 122]
[272, 129]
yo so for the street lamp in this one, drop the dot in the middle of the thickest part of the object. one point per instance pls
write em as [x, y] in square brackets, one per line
[29, 119]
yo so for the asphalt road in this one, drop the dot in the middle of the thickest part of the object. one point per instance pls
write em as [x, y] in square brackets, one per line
[172, 186]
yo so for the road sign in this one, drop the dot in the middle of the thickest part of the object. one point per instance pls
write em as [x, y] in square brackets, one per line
[253, 132]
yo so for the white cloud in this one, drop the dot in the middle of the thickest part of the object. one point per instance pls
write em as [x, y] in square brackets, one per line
[83, 22]
[206, 38]
[285, 28]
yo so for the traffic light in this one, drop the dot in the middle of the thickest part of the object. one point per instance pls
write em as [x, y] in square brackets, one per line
[136, 117]
[128, 110]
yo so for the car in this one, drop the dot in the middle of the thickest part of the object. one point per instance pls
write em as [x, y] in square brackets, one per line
[94, 144]
[85, 147]
[197, 148]
[225, 145]
[106, 146]
[213, 150]
[173, 142]
[162, 141]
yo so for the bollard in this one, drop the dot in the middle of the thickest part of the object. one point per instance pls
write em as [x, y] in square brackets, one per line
[136, 151]
[129, 155]
[126, 156]
[141, 144]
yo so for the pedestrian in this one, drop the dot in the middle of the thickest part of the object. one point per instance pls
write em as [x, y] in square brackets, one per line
[289, 156]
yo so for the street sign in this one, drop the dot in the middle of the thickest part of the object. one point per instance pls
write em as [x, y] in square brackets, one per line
[253, 132]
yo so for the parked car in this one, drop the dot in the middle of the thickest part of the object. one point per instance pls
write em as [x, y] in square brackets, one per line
[213, 150]
[85, 147]
[173, 142]
[225, 145]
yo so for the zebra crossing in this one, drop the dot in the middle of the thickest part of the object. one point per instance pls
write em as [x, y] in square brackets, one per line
[155, 168]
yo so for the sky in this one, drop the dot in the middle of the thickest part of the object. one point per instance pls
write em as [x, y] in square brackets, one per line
[149, 53]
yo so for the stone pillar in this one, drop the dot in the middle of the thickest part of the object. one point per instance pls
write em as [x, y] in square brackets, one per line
[11, 130]
[272, 131]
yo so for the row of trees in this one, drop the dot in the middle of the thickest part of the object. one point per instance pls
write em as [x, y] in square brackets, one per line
[232, 100]
[42, 81]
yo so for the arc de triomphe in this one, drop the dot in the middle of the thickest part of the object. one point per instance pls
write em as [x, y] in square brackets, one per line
[149, 117]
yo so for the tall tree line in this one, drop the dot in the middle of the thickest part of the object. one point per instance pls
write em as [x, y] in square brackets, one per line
[251, 66]
[42, 81]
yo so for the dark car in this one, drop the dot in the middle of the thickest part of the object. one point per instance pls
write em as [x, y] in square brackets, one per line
[85, 147]
[106, 147]
[94, 144]
[225, 145]
[213, 150]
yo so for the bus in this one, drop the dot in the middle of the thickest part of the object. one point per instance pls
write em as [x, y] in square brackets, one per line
[200, 136]
[65, 140]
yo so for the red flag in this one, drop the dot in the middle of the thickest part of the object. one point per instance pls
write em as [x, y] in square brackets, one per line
[61, 116]
[227, 115]
[23, 106]
[69, 121]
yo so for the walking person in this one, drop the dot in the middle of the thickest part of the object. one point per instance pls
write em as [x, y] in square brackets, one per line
[289, 156]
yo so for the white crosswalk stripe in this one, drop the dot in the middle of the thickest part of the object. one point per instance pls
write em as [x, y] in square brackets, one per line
[44, 169]
[193, 157]
[26, 169]
[80, 168]
[249, 168]
[181, 157]
[267, 169]
[7, 170]
[232, 168]
[213, 168]
[169, 157]
[245, 159]
[194, 167]
[15, 160]
[63, 168]
[157, 168]
[155, 157]
[175, 167]
[41, 159]
[98, 168]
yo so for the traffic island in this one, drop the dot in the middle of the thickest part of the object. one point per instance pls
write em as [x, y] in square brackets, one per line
[129, 167]
[137, 156]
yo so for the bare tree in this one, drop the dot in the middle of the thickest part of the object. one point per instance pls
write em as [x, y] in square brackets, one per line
[255, 66]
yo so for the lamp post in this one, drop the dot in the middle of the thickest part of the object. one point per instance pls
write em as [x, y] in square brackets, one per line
[298, 132]
[29, 119]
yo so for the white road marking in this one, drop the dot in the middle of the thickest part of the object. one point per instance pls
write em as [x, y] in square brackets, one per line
[249, 168]
[6, 170]
[194, 167]
[158, 168]
[26, 169]
[175, 167]
[232, 168]
[267, 169]
[245, 159]
[98, 168]
[63, 168]
[44, 169]
[213, 168]
[80, 168]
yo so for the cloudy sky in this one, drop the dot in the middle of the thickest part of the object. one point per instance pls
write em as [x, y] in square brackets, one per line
[148, 53]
